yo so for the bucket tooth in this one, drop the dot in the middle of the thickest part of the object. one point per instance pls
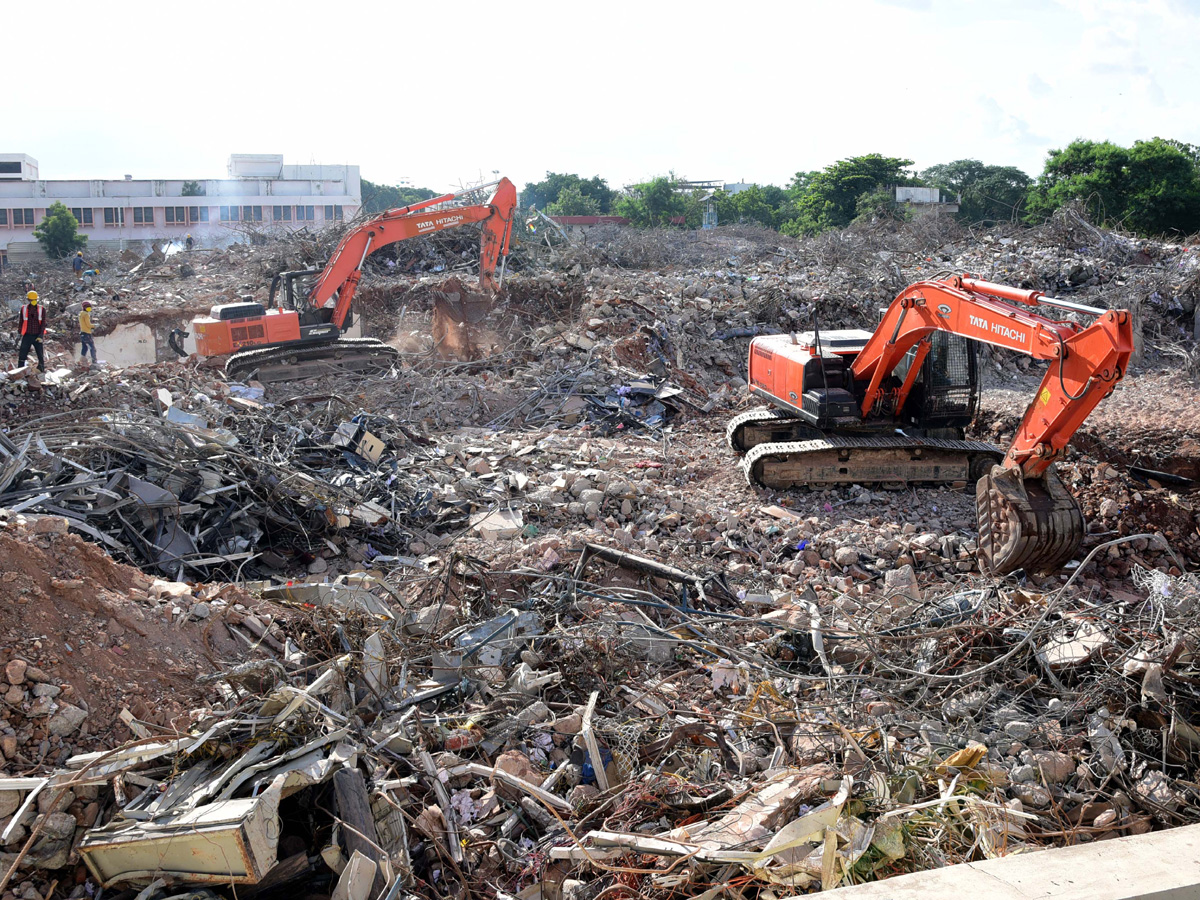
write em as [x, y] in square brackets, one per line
[1031, 524]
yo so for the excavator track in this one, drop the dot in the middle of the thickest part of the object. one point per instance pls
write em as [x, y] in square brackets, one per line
[1026, 523]
[884, 460]
[289, 363]
[765, 425]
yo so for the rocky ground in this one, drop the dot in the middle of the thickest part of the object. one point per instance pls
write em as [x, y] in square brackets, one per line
[740, 660]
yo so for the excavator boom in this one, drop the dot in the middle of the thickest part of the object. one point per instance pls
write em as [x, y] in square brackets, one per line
[1027, 517]
[341, 275]
[1086, 361]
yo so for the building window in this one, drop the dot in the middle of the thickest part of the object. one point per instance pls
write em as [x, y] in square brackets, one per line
[231, 213]
[143, 215]
[3, 216]
[186, 215]
[22, 218]
[281, 213]
[82, 216]
[306, 213]
[251, 213]
[114, 217]
[333, 214]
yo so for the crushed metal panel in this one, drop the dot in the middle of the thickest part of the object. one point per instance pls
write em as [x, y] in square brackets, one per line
[174, 543]
[14, 461]
[177, 416]
[329, 594]
[229, 841]
[34, 786]
[345, 435]
[370, 513]
[151, 496]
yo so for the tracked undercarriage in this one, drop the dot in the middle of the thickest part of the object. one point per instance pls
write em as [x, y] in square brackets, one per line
[297, 361]
[784, 452]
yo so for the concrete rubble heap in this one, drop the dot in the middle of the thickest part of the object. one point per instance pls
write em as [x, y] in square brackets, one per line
[513, 625]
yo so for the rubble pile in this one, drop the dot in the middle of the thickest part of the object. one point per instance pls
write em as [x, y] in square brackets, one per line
[512, 624]
[518, 730]
[88, 645]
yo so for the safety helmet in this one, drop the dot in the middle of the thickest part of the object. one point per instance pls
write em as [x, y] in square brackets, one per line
[79, 253]
[32, 295]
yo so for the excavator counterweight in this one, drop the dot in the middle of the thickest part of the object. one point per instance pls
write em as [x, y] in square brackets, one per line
[890, 407]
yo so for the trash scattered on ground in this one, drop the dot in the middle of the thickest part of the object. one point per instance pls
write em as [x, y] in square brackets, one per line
[515, 625]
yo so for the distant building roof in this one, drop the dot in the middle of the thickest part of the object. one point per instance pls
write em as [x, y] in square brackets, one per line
[590, 220]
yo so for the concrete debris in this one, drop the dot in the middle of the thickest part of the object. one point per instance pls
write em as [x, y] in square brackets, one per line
[507, 621]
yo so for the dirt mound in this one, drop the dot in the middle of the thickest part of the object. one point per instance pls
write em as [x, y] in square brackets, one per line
[83, 637]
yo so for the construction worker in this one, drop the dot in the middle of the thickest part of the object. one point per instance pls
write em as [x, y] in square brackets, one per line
[77, 263]
[33, 327]
[86, 342]
[188, 242]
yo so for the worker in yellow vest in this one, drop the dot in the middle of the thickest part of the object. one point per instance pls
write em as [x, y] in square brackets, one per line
[85, 333]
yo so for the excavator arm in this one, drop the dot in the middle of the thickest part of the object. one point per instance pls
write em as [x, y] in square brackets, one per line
[342, 273]
[1027, 518]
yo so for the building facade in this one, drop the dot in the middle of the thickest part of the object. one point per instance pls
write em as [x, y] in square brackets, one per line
[923, 201]
[260, 193]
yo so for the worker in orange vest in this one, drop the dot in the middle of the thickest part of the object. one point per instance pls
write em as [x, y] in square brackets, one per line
[33, 328]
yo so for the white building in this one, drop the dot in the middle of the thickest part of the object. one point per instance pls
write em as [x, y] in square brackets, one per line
[924, 200]
[259, 193]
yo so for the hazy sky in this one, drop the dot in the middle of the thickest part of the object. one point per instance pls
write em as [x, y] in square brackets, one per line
[440, 93]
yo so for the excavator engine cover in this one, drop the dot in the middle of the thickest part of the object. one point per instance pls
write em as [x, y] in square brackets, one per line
[1026, 523]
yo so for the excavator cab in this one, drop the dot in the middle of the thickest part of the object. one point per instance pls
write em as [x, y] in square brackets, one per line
[293, 289]
[296, 286]
[945, 394]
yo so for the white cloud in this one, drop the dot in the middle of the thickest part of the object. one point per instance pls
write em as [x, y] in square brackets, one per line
[1036, 86]
[629, 90]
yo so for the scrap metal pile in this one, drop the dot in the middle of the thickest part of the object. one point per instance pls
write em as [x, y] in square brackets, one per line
[516, 626]
[233, 485]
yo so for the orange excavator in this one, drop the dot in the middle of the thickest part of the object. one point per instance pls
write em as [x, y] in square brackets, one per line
[305, 333]
[890, 407]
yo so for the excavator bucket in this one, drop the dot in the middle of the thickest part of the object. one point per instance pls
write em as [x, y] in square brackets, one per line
[1026, 523]
[457, 313]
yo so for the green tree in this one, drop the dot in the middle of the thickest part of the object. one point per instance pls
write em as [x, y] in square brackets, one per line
[879, 204]
[544, 193]
[572, 201]
[800, 182]
[1191, 151]
[1162, 189]
[377, 198]
[1152, 187]
[988, 193]
[657, 202]
[58, 232]
[829, 199]
[1089, 171]
[192, 189]
[751, 205]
